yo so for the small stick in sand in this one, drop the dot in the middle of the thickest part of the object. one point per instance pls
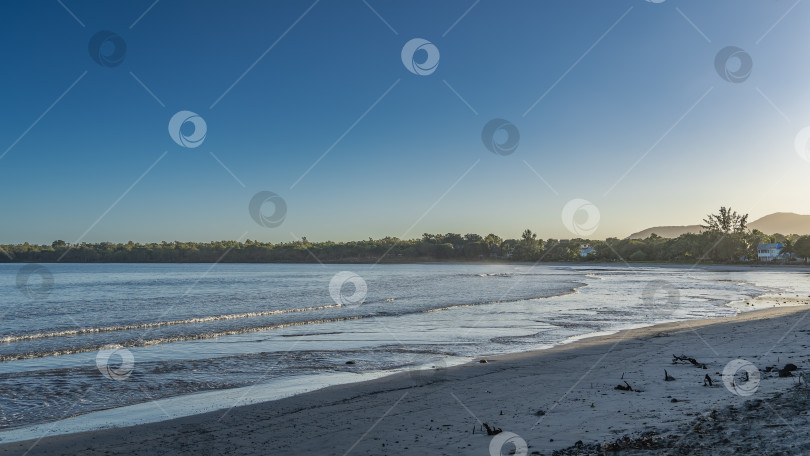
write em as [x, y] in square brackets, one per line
[667, 377]
[624, 388]
[492, 430]
[707, 379]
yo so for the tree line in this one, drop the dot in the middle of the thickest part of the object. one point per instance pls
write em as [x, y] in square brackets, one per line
[724, 239]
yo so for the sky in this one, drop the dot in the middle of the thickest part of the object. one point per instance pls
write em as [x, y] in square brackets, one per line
[583, 118]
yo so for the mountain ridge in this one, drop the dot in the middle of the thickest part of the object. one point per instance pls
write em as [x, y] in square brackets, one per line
[778, 222]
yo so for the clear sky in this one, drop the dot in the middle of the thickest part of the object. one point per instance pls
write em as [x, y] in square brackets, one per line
[619, 103]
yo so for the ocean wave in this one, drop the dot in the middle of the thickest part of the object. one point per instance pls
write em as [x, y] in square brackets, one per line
[179, 338]
[156, 324]
[132, 342]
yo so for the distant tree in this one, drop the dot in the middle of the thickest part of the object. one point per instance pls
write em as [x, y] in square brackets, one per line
[444, 250]
[493, 239]
[802, 247]
[753, 240]
[472, 237]
[452, 238]
[638, 255]
[494, 243]
[726, 221]
[476, 250]
[726, 236]
[507, 247]
[528, 248]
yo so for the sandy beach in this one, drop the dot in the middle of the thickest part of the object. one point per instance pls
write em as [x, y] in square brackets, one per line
[561, 400]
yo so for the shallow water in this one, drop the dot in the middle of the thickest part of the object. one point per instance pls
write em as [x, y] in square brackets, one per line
[187, 328]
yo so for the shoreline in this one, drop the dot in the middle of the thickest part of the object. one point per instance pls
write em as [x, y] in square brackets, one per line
[425, 261]
[337, 416]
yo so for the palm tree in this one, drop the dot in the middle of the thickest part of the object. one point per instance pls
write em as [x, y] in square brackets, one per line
[787, 250]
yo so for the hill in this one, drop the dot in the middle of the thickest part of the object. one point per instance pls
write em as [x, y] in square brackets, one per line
[779, 222]
[783, 222]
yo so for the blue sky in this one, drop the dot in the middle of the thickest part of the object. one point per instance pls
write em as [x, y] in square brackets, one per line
[622, 80]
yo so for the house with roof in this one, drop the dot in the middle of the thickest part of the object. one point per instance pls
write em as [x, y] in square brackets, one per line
[585, 250]
[770, 252]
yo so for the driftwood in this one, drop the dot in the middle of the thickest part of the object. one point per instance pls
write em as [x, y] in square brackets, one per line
[708, 380]
[624, 388]
[786, 371]
[667, 377]
[685, 359]
[492, 430]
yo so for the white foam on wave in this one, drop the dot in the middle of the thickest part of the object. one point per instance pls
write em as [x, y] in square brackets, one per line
[156, 324]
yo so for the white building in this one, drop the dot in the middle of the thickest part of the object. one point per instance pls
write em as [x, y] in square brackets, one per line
[585, 249]
[769, 252]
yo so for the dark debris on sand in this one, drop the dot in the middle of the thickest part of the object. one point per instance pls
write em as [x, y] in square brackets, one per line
[777, 425]
[646, 441]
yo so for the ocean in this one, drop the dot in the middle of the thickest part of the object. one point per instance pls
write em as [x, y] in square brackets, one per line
[145, 342]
